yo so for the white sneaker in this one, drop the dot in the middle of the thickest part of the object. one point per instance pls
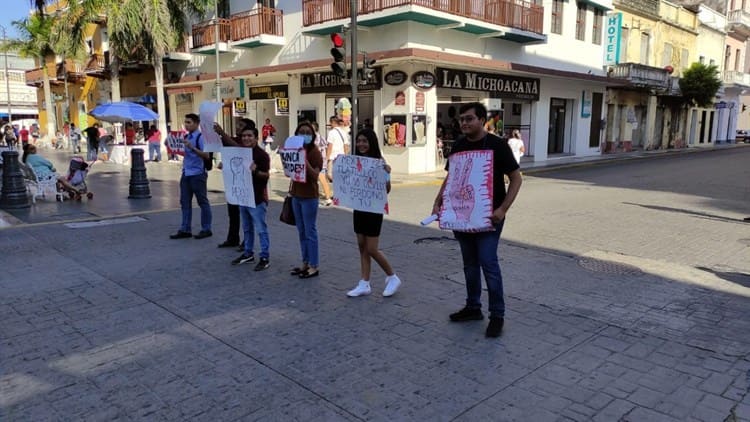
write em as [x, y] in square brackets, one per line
[391, 285]
[362, 289]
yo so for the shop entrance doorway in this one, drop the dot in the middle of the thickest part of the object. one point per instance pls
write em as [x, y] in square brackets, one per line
[557, 128]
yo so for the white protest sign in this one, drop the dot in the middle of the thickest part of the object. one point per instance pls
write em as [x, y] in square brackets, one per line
[238, 179]
[293, 159]
[360, 183]
[467, 198]
[211, 139]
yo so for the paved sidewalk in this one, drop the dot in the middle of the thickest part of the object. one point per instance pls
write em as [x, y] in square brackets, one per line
[117, 322]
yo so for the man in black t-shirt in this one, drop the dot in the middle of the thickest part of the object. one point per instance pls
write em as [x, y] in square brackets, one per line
[479, 250]
[92, 138]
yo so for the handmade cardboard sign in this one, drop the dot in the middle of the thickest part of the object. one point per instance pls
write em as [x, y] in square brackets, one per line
[238, 179]
[174, 142]
[467, 198]
[293, 159]
[359, 183]
[211, 139]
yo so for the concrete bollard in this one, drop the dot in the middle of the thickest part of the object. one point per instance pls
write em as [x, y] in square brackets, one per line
[139, 188]
[14, 188]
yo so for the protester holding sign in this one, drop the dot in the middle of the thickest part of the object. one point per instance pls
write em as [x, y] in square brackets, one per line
[194, 181]
[367, 225]
[479, 249]
[305, 204]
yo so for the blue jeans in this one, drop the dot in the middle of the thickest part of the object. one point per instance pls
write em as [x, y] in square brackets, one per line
[305, 215]
[479, 251]
[254, 219]
[189, 186]
[154, 150]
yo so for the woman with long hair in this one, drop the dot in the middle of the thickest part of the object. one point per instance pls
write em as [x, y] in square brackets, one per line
[367, 226]
[305, 204]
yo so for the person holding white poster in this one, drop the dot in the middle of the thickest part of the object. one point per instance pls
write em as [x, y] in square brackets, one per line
[479, 249]
[305, 204]
[252, 197]
[367, 225]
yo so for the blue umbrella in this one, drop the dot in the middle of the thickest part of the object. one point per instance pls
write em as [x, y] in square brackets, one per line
[123, 111]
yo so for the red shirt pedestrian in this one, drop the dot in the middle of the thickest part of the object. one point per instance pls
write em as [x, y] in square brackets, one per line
[24, 134]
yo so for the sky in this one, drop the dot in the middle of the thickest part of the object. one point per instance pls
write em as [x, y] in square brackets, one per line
[13, 10]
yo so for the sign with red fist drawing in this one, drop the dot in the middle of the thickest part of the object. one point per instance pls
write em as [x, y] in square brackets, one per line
[467, 198]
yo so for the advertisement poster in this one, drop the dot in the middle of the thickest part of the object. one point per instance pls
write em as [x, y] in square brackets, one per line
[359, 183]
[394, 130]
[467, 199]
[238, 180]
[418, 129]
[207, 112]
[174, 142]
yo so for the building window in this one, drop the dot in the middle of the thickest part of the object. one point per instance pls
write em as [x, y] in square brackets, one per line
[597, 30]
[727, 55]
[581, 22]
[712, 62]
[702, 60]
[666, 59]
[737, 55]
[557, 16]
[645, 48]
[223, 7]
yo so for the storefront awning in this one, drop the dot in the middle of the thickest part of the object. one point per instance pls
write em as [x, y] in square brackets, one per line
[184, 90]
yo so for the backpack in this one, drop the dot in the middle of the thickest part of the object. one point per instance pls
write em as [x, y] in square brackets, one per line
[208, 163]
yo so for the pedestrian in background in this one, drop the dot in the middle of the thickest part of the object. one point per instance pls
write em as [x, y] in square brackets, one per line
[305, 204]
[325, 149]
[92, 141]
[154, 144]
[367, 227]
[194, 181]
[75, 138]
[516, 145]
[479, 250]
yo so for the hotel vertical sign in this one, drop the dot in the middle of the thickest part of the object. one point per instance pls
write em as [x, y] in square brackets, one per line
[612, 39]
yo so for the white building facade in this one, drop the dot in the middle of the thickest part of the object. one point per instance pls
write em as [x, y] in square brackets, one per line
[537, 67]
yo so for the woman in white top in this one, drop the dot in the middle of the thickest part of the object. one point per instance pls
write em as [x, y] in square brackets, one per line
[516, 145]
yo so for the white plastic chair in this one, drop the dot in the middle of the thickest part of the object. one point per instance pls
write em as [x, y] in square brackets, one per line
[39, 187]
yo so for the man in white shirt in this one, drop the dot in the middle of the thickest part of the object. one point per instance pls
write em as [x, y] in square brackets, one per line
[339, 140]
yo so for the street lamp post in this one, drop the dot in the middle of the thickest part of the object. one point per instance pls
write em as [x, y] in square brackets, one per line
[216, 45]
[7, 82]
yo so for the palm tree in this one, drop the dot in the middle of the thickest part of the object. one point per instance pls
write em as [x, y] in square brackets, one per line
[36, 41]
[157, 26]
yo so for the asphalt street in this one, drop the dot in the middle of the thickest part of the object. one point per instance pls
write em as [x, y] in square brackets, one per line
[626, 283]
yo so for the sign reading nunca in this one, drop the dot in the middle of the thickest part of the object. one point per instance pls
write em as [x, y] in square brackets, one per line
[328, 82]
[498, 86]
[269, 92]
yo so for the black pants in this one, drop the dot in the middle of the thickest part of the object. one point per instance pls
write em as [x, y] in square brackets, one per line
[233, 234]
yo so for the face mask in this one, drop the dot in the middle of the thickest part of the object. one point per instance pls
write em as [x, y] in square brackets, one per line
[306, 139]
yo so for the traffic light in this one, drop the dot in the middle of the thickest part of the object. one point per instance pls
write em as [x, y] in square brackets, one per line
[338, 52]
[368, 71]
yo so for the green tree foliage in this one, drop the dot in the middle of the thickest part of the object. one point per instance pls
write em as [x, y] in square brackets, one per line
[699, 84]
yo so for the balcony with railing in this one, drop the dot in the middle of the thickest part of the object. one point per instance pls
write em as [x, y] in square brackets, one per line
[35, 77]
[739, 22]
[181, 53]
[204, 36]
[733, 78]
[69, 70]
[514, 20]
[257, 27]
[98, 66]
[641, 76]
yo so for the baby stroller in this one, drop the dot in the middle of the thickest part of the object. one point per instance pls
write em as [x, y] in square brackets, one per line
[77, 172]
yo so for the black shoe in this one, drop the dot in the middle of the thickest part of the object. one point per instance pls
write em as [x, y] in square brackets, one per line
[495, 327]
[262, 264]
[181, 235]
[204, 234]
[467, 314]
[228, 244]
[243, 259]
